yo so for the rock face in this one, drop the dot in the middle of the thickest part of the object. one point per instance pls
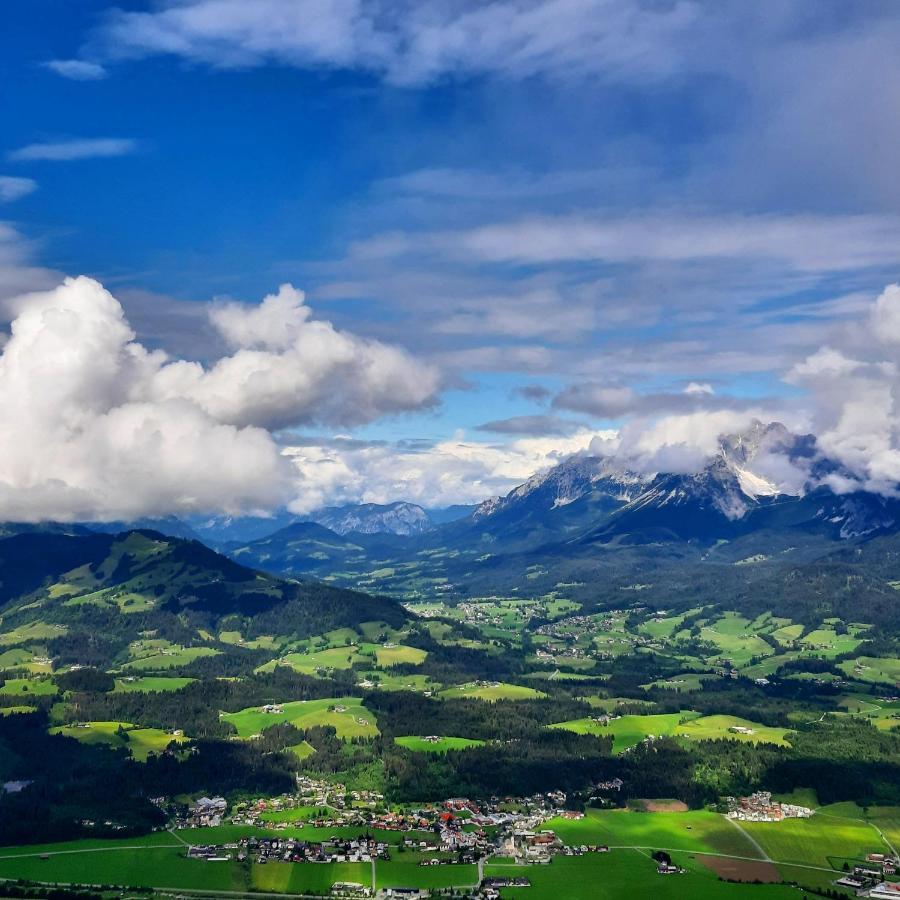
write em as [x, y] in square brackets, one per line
[374, 518]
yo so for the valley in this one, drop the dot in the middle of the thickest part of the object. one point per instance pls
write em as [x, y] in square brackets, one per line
[362, 716]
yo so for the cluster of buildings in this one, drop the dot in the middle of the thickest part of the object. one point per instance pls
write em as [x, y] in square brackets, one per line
[333, 850]
[207, 812]
[760, 807]
[868, 880]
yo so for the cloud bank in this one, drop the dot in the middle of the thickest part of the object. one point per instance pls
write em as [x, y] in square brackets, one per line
[93, 425]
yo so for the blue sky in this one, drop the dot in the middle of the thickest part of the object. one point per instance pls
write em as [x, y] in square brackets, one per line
[588, 199]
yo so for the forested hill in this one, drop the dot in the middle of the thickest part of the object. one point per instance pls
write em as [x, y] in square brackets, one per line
[90, 596]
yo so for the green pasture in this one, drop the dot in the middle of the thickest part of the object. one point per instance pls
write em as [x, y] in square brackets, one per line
[696, 831]
[28, 687]
[397, 654]
[823, 840]
[874, 669]
[628, 873]
[492, 692]
[141, 742]
[420, 745]
[346, 715]
[137, 862]
[715, 727]
[627, 731]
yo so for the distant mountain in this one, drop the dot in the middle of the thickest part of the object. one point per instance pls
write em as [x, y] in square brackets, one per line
[374, 518]
[171, 526]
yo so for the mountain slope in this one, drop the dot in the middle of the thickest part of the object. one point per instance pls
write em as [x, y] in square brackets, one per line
[90, 597]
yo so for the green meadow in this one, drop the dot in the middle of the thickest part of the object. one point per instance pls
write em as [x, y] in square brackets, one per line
[492, 692]
[628, 873]
[627, 731]
[346, 715]
[442, 745]
[19, 687]
[823, 840]
[696, 831]
[713, 727]
[141, 742]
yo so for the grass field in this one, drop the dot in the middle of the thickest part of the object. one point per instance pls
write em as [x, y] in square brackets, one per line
[627, 731]
[346, 715]
[114, 863]
[712, 727]
[874, 669]
[148, 683]
[492, 691]
[390, 681]
[28, 687]
[36, 631]
[140, 741]
[318, 660]
[628, 873]
[151, 656]
[22, 658]
[823, 840]
[697, 830]
[420, 745]
[398, 654]
[307, 878]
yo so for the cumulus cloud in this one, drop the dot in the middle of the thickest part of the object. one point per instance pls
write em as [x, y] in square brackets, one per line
[851, 403]
[76, 69]
[95, 425]
[855, 394]
[81, 148]
[12, 188]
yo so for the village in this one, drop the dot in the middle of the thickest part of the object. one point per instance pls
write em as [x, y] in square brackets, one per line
[355, 827]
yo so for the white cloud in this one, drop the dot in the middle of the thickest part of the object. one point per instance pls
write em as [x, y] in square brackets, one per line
[12, 188]
[451, 471]
[81, 148]
[94, 425]
[820, 243]
[855, 396]
[76, 69]
[412, 43]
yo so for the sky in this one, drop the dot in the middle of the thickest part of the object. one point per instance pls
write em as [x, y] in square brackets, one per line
[303, 252]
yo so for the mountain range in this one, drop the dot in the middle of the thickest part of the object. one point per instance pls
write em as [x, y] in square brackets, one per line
[590, 529]
[594, 529]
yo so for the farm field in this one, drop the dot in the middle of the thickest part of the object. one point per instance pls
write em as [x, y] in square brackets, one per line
[823, 840]
[19, 687]
[140, 741]
[627, 731]
[387, 656]
[627, 873]
[695, 831]
[136, 863]
[711, 727]
[168, 657]
[876, 670]
[316, 661]
[442, 745]
[492, 691]
[346, 714]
